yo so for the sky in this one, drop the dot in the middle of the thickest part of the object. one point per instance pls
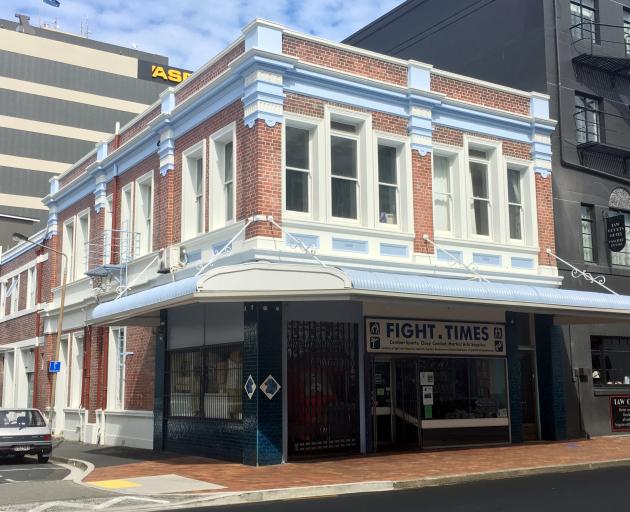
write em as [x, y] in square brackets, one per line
[191, 32]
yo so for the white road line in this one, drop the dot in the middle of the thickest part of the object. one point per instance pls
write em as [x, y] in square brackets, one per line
[51, 468]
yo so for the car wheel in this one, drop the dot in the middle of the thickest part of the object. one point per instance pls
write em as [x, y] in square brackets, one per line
[43, 459]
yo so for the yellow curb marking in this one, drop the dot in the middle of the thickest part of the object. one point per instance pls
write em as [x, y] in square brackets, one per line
[115, 484]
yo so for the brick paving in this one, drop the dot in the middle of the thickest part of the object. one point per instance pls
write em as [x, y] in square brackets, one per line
[377, 467]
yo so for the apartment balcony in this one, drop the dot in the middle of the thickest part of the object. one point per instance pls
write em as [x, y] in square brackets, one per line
[602, 47]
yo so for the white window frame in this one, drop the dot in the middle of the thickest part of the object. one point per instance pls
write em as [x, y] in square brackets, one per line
[108, 226]
[127, 248]
[529, 221]
[497, 188]
[404, 182]
[81, 239]
[117, 367]
[31, 287]
[314, 128]
[75, 381]
[218, 203]
[68, 246]
[14, 299]
[194, 153]
[144, 223]
[365, 183]
[3, 289]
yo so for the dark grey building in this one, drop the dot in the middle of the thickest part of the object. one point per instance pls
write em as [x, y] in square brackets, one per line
[578, 52]
[59, 95]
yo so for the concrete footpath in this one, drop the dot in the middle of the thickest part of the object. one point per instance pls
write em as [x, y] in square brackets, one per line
[142, 472]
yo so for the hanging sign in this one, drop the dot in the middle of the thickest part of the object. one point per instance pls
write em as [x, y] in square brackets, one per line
[620, 413]
[616, 232]
[397, 335]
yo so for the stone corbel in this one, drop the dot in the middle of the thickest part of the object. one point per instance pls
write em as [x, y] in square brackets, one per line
[51, 228]
[263, 98]
[541, 154]
[166, 151]
[100, 191]
[421, 129]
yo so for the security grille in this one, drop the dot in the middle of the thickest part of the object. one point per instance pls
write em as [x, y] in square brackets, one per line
[323, 395]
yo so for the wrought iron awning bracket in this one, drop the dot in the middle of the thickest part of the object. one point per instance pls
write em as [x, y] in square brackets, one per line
[455, 259]
[576, 273]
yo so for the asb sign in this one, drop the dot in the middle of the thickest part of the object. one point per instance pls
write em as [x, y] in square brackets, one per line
[403, 336]
[157, 72]
[616, 232]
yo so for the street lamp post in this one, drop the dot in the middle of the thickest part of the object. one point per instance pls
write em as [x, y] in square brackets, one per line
[18, 237]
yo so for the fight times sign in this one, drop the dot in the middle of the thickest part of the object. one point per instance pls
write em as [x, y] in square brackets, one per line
[404, 336]
[620, 413]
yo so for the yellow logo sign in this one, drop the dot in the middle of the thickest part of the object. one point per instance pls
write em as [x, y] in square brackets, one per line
[169, 74]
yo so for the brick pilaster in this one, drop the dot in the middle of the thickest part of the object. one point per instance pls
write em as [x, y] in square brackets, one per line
[544, 212]
[422, 176]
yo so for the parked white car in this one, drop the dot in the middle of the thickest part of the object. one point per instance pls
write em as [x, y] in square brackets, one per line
[24, 432]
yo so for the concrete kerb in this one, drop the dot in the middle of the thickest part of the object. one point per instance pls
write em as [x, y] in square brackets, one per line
[322, 491]
[79, 469]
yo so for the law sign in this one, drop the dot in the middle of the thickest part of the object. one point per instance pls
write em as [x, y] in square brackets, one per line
[54, 367]
[405, 336]
[616, 232]
[620, 413]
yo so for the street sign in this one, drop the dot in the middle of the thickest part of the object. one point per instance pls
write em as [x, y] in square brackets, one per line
[54, 367]
[616, 232]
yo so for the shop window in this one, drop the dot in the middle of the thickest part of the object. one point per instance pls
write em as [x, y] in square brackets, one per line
[193, 192]
[388, 179]
[206, 382]
[622, 257]
[587, 119]
[583, 20]
[587, 232]
[297, 169]
[479, 178]
[610, 361]
[442, 194]
[515, 204]
[467, 388]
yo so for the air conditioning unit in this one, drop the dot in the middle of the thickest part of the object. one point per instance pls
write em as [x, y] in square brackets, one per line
[172, 258]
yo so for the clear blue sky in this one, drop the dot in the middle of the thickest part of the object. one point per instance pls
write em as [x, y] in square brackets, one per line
[190, 32]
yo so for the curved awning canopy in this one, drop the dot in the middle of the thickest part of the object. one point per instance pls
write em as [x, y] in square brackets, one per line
[275, 281]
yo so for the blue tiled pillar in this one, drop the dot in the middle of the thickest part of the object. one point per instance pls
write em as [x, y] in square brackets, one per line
[262, 356]
[160, 366]
[549, 354]
[512, 337]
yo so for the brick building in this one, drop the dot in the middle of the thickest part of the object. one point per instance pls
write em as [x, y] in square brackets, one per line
[305, 249]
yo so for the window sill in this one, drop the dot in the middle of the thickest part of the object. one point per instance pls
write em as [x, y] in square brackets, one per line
[611, 390]
[19, 314]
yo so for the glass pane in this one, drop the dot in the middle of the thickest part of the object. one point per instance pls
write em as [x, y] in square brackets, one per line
[229, 159]
[344, 198]
[297, 191]
[297, 148]
[387, 203]
[442, 213]
[587, 213]
[479, 177]
[478, 153]
[343, 157]
[387, 165]
[229, 202]
[482, 224]
[198, 214]
[515, 222]
[441, 175]
[514, 186]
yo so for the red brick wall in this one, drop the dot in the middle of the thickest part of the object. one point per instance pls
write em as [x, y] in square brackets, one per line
[544, 206]
[480, 95]
[344, 60]
[138, 126]
[76, 172]
[21, 328]
[198, 80]
[140, 369]
[453, 137]
[259, 182]
[313, 107]
[422, 175]
[232, 113]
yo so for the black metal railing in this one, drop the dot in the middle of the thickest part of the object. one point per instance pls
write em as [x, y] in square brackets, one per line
[591, 32]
